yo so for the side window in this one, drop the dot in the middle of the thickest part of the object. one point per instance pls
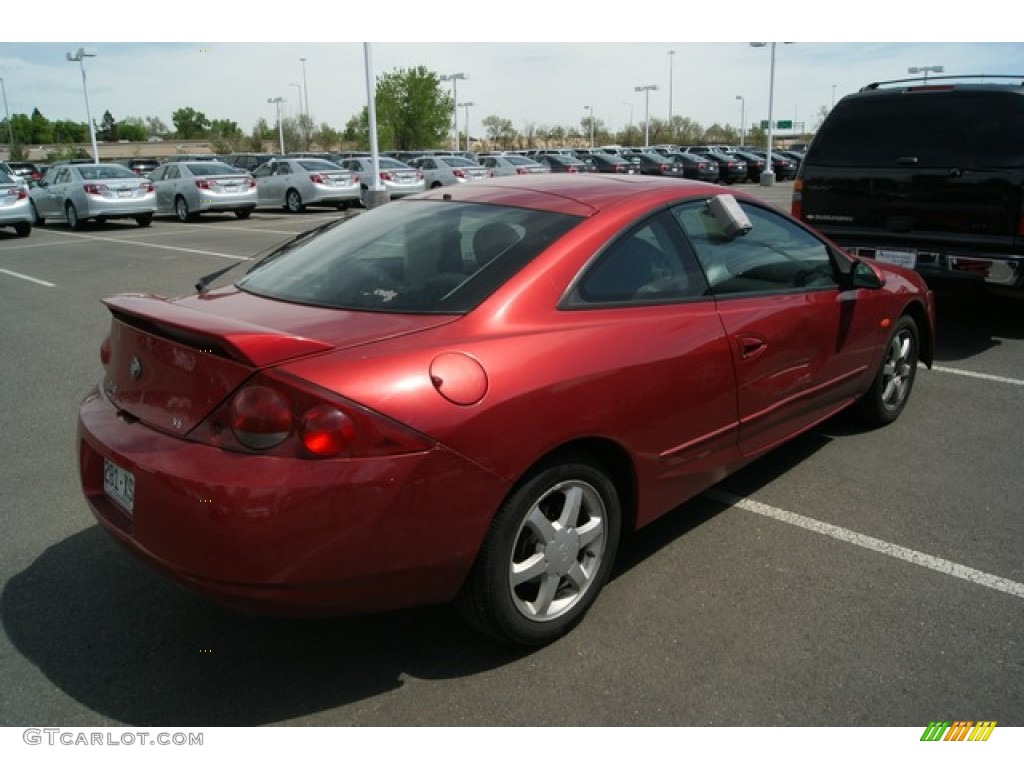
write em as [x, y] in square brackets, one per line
[282, 169]
[648, 264]
[774, 256]
[173, 172]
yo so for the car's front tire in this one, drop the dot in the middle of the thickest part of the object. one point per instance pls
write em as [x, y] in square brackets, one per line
[884, 402]
[548, 553]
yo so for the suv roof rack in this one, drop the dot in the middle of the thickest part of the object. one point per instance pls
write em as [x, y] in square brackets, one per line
[925, 79]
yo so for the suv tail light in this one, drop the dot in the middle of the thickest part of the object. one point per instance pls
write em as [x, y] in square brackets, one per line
[276, 414]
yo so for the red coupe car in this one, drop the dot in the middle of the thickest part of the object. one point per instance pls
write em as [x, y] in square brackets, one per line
[470, 395]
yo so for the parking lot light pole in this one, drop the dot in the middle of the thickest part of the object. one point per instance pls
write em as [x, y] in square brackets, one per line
[671, 60]
[280, 126]
[647, 110]
[743, 119]
[924, 71]
[305, 87]
[467, 105]
[768, 176]
[80, 56]
[455, 100]
[591, 108]
[10, 128]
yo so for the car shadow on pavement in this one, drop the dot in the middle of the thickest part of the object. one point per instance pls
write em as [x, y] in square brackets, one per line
[966, 326]
[141, 651]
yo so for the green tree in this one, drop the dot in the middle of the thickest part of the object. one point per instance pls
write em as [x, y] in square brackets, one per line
[132, 129]
[190, 124]
[500, 131]
[157, 127]
[413, 112]
[42, 129]
[108, 128]
[326, 137]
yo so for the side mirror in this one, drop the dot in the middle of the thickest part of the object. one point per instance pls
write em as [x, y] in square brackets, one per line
[866, 275]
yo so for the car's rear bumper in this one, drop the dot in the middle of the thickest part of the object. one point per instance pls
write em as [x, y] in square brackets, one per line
[294, 536]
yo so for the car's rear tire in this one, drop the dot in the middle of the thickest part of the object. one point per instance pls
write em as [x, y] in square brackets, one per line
[144, 220]
[548, 553]
[243, 213]
[71, 215]
[884, 402]
[181, 210]
[23, 230]
[293, 201]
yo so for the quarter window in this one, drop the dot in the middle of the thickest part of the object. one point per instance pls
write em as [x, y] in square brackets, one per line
[649, 264]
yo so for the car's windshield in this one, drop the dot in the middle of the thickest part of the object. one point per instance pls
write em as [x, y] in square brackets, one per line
[412, 257]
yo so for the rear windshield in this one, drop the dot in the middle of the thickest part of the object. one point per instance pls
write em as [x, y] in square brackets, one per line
[927, 130]
[319, 165]
[421, 256]
[213, 169]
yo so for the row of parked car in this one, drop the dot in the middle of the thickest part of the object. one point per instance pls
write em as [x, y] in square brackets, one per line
[189, 185]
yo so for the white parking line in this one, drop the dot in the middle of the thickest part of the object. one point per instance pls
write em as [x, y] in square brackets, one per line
[973, 375]
[163, 247]
[947, 567]
[26, 277]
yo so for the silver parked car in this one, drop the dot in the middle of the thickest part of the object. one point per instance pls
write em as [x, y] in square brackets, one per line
[442, 170]
[298, 182]
[187, 189]
[15, 208]
[76, 192]
[397, 178]
[512, 165]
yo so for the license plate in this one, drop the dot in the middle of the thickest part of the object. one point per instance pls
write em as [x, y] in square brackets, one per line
[124, 193]
[119, 485]
[899, 258]
[231, 188]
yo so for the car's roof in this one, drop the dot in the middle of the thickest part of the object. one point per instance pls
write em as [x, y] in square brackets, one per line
[575, 194]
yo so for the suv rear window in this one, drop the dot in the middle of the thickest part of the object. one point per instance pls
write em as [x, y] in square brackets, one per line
[927, 129]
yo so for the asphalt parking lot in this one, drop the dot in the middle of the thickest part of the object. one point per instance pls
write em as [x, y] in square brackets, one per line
[852, 578]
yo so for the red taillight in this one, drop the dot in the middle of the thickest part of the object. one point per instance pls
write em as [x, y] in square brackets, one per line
[284, 417]
[204, 183]
[796, 204]
[385, 176]
[521, 171]
[250, 182]
[18, 192]
[147, 187]
[355, 179]
[316, 178]
[459, 173]
[326, 431]
[260, 417]
[94, 189]
[664, 168]
[105, 352]
[571, 169]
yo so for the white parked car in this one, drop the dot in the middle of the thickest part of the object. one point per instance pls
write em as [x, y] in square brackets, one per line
[297, 182]
[397, 178]
[442, 170]
[187, 189]
[76, 192]
[512, 165]
[15, 208]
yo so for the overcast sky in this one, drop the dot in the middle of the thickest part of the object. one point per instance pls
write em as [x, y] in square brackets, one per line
[546, 82]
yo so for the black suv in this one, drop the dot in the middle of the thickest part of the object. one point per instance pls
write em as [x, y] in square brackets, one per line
[929, 176]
